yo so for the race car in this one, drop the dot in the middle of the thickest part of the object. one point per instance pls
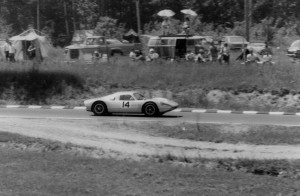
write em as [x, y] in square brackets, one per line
[129, 102]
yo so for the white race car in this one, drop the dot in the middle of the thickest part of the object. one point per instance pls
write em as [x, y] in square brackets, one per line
[129, 102]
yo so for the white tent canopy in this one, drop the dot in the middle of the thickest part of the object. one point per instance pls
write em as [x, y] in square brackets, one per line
[21, 43]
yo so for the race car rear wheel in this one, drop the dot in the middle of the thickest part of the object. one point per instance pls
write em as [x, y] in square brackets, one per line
[99, 108]
[150, 109]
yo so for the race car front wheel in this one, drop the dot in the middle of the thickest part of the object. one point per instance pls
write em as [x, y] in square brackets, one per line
[99, 108]
[150, 109]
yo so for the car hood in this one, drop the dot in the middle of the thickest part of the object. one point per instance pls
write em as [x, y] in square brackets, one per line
[293, 49]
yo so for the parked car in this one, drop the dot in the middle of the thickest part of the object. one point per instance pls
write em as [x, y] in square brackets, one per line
[98, 43]
[294, 49]
[235, 42]
[129, 102]
[257, 47]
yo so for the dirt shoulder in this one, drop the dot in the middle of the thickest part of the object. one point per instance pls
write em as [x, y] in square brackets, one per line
[119, 140]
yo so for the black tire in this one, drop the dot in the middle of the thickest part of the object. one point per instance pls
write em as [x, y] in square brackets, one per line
[150, 109]
[117, 52]
[99, 108]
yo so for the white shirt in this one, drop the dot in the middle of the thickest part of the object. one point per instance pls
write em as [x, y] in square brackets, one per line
[132, 55]
[252, 57]
[6, 47]
[153, 55]
[11, 49]
[267, 58]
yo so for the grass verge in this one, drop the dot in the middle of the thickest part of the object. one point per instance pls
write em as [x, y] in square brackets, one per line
[188, 83]
[25, 171]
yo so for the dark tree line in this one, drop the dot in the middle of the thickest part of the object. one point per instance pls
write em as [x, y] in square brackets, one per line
[59, 18]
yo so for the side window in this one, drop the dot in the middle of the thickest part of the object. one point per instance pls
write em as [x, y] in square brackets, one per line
[126, 98]
[101, 41]
[190, 42]
[154, 42]
[89, 41]
[164, 42]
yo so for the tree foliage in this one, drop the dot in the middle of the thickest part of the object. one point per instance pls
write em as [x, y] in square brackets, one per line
[215, 16]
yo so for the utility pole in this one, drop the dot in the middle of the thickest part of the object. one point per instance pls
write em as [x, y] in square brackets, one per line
[73, 15]
[137, 4]
[38, 15]
[250, 12]
[246, 18]
[66, 18]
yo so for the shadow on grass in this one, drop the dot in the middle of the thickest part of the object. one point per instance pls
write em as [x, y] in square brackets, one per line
[31, 87]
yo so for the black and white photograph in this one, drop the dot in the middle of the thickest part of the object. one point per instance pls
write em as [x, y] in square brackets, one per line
[149, 97]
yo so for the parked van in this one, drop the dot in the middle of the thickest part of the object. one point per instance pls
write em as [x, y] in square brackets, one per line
[171, 47]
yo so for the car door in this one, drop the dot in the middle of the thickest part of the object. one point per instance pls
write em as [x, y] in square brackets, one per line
[128, 104]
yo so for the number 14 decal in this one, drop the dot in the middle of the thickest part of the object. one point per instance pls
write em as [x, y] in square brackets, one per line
[125, 105]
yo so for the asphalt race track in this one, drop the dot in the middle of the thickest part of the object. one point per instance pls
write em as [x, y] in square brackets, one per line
[176, 117]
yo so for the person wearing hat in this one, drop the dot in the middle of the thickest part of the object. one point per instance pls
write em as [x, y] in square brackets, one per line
[200, 56]
[153, 55]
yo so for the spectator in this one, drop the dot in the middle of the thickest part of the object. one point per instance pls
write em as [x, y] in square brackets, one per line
[190, 56]
[139, 55]
[6, 49]
[266, 50]
[152, 55]
[243, 55]
[12, 51]
[186, 25]
[252, 57]
[132, 54]
[267, 58]
[213, 52]
[225, 54]
[165, 25]
[200, 56]
[31, 50]
[219, 48]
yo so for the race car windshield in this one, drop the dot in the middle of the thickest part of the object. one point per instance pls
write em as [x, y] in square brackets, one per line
[139, 96]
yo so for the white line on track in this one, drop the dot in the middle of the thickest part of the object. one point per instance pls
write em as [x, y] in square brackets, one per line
[224, 111]
[250, 112]
[34, 107]
[276, 113]
[199, 111]
[13, 106]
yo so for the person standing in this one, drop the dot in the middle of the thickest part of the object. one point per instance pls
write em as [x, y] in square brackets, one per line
[12, 51]
[31, 51]
[6, 49]
[213, 52]
[186, 25]
[225, 52]
[165, 25]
